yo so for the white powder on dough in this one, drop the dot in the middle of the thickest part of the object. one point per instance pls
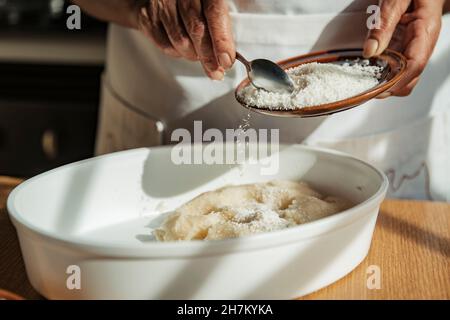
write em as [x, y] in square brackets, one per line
[237, 211]
[317, 84]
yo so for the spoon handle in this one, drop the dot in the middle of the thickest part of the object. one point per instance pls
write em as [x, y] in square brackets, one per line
[244, 61]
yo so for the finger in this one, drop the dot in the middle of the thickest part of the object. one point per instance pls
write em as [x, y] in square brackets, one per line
[174, 27]
[195, 25]
[407, 18]
[378, 40]
[401, 92]
[384, 95]
[219, 25]
[151, 26]
[418, 51]
[406, 90]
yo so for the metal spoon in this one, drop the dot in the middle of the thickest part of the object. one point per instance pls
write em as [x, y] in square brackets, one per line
[267, 75]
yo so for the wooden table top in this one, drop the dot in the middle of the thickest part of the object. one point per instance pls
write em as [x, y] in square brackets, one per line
[411, 247]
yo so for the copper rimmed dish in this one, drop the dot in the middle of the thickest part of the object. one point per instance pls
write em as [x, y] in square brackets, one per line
[392, 62]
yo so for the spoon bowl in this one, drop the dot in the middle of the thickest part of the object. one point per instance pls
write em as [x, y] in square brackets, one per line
[267, 75]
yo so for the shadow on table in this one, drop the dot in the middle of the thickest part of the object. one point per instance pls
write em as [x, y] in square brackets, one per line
[422, 237]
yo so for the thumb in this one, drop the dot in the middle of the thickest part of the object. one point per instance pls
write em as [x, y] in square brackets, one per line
[378, 39]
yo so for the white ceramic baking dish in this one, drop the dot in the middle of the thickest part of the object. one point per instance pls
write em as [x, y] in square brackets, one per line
[97, 215]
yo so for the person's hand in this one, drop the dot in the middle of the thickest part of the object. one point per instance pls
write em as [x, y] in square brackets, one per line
[198, 30]
[411, 27]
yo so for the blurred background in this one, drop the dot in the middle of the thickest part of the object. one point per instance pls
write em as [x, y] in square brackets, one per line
[49, 86]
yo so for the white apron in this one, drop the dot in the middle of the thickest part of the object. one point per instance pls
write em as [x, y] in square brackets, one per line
[147, 95]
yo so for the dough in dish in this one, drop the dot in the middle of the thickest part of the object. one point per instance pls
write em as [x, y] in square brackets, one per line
[236, 211]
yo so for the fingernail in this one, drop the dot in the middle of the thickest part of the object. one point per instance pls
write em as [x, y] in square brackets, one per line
[225, 60]
[216, 75]
[211, 67]
[370, 48]
[384, 95]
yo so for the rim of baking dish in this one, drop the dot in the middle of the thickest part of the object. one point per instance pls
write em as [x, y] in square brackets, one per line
[191, 248]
